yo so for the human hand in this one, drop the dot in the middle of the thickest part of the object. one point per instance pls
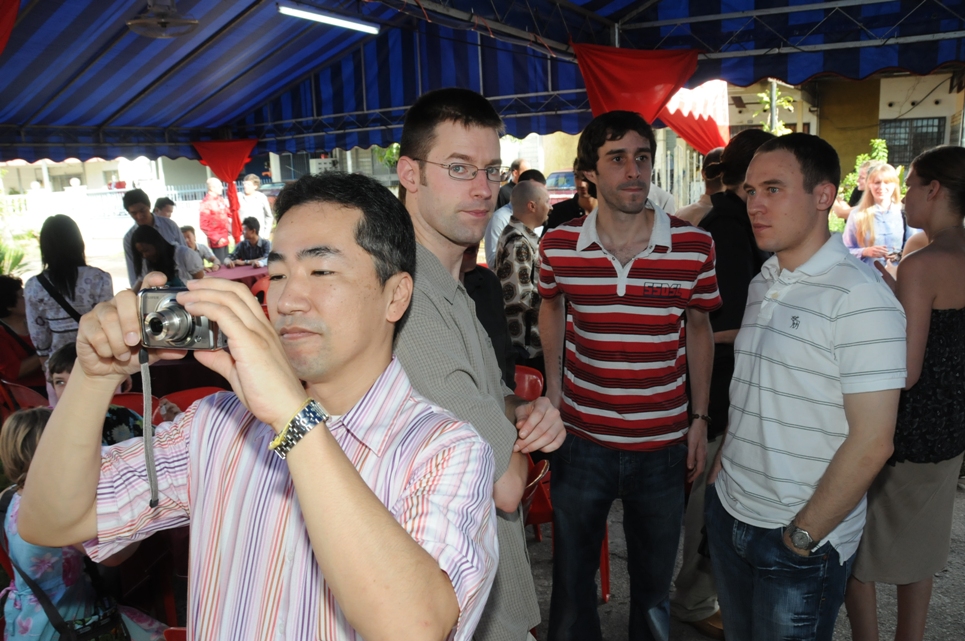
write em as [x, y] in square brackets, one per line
[109, 336]
[127, 384]
[229, 264]
[540, 427]
[875, 251]
[168, 410]
[255, 364]
[696, 448]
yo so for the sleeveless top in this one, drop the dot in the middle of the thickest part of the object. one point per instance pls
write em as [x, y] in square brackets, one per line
[931, 415]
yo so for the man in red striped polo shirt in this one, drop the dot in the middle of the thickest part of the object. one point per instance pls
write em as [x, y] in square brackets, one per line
[617, 359]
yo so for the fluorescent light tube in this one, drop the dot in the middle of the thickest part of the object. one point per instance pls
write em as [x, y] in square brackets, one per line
[316, 15]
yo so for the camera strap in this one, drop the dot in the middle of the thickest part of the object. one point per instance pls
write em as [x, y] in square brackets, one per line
[148, 425]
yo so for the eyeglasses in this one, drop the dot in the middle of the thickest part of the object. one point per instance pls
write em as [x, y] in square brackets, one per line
[463, 171]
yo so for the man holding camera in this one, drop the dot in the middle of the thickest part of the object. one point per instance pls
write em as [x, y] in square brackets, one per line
[378, 523]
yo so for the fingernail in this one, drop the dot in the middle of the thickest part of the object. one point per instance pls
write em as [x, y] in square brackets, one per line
[131, 338]
[124, 356]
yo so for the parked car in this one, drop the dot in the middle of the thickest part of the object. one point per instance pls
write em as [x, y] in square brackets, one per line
[561, 185]
[271, 190]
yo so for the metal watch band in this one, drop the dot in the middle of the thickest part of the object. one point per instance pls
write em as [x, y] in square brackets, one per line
[300, 425]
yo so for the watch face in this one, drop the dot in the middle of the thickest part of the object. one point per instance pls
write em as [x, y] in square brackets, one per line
[801, 539]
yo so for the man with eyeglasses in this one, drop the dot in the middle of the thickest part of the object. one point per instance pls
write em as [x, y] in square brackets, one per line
[449, 172]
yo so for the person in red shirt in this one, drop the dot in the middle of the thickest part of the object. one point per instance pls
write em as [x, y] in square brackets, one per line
[19, 362]
[216, 219]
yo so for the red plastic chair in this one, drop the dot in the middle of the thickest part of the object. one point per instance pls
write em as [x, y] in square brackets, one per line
[26, 397]
[183, 399]
[134, 401]
[176, 634]
[260, 290]
[529, 383]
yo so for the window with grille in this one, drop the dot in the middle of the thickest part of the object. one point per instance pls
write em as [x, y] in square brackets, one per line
[908, 137]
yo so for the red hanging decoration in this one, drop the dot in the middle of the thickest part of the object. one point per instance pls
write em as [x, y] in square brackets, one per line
[631, 79]
[227, 158]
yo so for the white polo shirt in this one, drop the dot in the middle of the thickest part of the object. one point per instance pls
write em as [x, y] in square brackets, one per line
[831, 327]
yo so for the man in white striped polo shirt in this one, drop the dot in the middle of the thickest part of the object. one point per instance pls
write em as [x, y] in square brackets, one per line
[819, 362]
[632, 275]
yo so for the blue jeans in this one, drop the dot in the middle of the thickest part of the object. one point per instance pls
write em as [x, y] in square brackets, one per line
[766, 591]
[586, 478]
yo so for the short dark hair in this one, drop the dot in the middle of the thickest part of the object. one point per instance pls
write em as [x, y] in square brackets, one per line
[10, 286]
[385, 230]
[187, 228]
[460, 106]
[145, 234]
[62, 360]
[252, 223]
[163, 202]
[817, 158]
[533, 174]
[613, 125]
[731, 166]
[946, 164]
[134, 197]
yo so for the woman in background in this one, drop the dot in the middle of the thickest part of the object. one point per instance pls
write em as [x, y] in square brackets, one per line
[908, 530]
[154, 254]
[19, 362]
[876, 229]
[66, 275]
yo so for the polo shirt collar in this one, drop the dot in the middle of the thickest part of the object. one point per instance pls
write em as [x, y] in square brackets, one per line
[430, 271]
[659, 237]
[830, 254]
[372, 420]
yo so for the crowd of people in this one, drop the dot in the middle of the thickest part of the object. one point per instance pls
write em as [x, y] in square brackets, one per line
[810, 386]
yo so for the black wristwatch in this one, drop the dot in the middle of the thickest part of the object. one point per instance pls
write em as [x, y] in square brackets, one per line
[800, 538]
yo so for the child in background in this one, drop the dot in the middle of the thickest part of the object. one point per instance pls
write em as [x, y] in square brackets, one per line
[120, 423]
[59, 571]
[207, 256]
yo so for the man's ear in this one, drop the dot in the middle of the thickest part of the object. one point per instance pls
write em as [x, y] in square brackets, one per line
[409, 173]
[824, 194]
[400, 288]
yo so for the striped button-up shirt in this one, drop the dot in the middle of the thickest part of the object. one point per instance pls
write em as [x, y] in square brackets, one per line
[252, 571]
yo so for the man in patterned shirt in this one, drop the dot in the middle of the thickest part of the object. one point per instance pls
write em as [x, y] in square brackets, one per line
[374, 522]
[517, 265]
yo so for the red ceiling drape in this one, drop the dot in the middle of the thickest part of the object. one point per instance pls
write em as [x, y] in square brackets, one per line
[631, 79]
[8, 17]
[227, 158]
[700, 116]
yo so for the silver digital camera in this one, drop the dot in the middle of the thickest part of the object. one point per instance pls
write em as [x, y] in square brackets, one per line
[166, 324]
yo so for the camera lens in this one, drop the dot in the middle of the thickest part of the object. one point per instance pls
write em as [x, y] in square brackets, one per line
[171, 324]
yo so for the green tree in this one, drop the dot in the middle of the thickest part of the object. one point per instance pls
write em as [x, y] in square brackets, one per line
[783, 102]
[388, 156]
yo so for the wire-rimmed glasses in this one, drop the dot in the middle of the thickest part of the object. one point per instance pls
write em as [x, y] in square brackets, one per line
[465, 171]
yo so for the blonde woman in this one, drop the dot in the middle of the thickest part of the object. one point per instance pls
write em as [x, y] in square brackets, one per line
[876, 229]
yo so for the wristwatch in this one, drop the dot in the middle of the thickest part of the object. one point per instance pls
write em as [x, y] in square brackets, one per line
[800, 538]
[301, 424]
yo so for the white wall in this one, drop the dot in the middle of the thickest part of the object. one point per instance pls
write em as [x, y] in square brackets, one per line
[183, 171]
[919, 97]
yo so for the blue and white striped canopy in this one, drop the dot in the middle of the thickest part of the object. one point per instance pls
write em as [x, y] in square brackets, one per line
[76, 82]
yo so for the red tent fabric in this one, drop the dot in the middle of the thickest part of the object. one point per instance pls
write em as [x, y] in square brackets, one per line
[631, 79]
[8, 17]
[227, 158]
[700, 116]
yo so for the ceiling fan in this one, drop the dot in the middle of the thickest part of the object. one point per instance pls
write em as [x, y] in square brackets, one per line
[162, 20]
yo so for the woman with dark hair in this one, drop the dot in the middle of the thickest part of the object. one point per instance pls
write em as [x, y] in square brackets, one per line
[908, 530]
[66, 288]
[154, 254]
[738, 260]
[19, 362]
